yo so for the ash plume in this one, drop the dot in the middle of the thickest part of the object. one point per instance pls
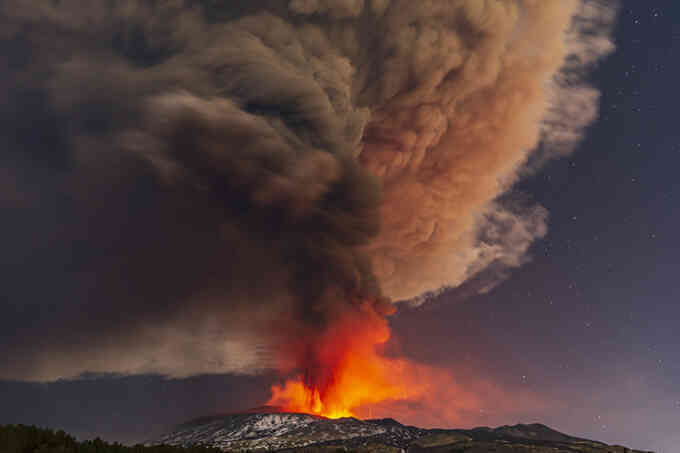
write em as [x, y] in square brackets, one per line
[205, 182]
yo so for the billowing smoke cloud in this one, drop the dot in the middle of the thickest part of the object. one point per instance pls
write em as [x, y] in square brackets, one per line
[462, 108]
[205, 181]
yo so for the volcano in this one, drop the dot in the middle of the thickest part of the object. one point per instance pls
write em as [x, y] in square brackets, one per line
[269, 429]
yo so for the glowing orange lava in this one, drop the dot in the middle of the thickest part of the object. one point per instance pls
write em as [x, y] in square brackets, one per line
[344, 370]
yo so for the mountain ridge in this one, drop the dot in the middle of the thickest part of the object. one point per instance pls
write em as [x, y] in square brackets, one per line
[269, 429]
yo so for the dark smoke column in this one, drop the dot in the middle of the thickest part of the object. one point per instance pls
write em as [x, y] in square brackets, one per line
[227, 187]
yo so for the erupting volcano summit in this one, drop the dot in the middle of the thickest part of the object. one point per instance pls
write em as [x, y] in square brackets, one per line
[263, 182]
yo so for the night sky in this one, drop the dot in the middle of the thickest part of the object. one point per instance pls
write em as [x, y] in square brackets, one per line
[588, 327]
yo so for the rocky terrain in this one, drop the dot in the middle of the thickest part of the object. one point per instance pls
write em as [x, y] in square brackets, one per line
[268, 430]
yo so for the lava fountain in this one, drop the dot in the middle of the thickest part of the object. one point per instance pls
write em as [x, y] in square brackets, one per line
[345, 368]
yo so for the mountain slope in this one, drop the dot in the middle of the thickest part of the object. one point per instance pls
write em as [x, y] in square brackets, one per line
[270, 430]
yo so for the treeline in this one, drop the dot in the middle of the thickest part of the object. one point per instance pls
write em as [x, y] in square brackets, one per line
[31, 439]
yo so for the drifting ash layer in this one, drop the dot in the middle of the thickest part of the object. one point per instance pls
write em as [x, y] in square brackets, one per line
[294, 432]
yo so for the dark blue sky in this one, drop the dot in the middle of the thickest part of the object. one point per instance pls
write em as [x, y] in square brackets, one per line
[590, 325]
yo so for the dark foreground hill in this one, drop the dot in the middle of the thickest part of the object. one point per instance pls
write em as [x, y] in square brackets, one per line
[289, 432]
[30, 439]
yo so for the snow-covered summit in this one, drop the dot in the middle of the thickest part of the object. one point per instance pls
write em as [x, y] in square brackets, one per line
[269, 431]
